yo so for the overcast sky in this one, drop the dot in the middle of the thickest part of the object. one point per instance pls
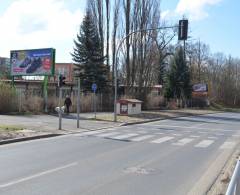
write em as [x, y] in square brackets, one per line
[28, 24]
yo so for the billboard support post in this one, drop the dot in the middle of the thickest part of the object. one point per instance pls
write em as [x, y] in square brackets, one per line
[12, 81]
[45, 93]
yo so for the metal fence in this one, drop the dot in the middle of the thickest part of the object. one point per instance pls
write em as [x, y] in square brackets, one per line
[234, 185]
[33, 100]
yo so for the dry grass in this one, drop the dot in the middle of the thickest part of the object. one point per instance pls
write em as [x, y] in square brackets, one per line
[10, 128]
[8, 98]
[33, 104]
[154, 102]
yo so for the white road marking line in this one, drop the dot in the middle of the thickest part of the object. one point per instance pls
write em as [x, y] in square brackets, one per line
[228, 145]
[212, 137]
[198, 125]
[142, 131]
[159, 133]
[194, 136]
[162, 139]
[175, 134]
[183, 142]
[202, 132]
[220, 134]
[91, 133]
[236, 135]
[204, 144]
[125, 136]
[107, 134]
[37, 175]
[141, 138]
[184, 127]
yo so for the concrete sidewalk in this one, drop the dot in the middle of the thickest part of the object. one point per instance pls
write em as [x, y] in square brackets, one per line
[37, 125]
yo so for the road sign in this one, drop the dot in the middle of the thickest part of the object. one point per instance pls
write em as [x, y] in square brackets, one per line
[94, 87]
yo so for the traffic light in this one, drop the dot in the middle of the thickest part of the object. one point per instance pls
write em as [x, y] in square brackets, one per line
[183, 30]
[61, 80]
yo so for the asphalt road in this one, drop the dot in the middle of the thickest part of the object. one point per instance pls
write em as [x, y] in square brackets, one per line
[178, 156]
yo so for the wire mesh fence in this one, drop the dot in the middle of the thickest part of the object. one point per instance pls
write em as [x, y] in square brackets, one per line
[33, 100]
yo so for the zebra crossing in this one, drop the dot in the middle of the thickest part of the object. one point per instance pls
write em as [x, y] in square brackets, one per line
[199, 140]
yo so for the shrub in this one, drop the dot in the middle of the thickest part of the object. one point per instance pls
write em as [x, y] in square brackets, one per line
[33, 104]
[154, 102]
[8, 98]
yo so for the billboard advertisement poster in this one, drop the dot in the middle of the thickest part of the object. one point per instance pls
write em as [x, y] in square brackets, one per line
[201, 87]
[200, 90]
[32, 62]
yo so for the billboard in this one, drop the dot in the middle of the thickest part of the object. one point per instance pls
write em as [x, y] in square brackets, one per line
[32, 62]
[201, 87]
[200, 90]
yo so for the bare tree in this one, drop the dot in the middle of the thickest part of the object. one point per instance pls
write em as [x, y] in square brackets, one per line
[114, 36]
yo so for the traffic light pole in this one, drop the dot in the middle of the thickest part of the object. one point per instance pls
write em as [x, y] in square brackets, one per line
[116, 61]
[60, 110]
[78, 103]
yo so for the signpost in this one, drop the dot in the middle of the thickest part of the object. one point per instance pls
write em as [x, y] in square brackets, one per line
[94, 88]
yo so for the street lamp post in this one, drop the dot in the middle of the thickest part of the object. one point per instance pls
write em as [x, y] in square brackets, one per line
[116, 61]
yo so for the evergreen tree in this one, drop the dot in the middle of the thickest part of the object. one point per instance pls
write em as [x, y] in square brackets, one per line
[178, 78]
[87, 56]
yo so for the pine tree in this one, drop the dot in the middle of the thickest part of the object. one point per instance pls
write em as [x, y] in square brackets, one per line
[178, 78]
[87, 56]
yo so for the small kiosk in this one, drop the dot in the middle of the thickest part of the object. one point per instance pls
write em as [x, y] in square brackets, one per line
[129, 106]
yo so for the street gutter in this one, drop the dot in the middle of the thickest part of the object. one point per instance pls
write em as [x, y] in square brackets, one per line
[21, 139]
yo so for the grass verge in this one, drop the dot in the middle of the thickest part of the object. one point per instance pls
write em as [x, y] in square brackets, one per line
[10, 128]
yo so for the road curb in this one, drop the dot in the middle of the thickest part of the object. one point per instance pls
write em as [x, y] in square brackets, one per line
[9, 141]
[159, 119]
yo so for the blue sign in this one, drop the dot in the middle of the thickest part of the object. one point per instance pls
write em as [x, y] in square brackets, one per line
[94, 87]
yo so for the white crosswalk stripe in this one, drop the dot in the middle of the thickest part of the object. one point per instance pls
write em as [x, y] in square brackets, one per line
[183, 142]
[125, 136]
[158, 137]
[107, 134]
[141, 138]
[212, 137]
[204, 144]
[194, 136]
[90, 133]
[162, 139]
[228, 145]
[176, 134]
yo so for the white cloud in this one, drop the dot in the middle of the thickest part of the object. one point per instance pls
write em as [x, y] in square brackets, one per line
[165, 14]
[28, 24]
[195, 8]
